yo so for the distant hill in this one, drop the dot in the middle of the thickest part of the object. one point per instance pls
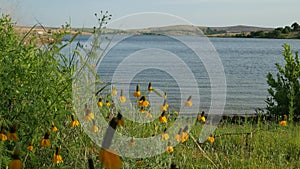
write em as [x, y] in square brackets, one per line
[192, 30]
[241, 29]
[166, 30]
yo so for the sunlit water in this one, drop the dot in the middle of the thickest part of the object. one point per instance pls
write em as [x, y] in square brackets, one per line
[246, 63]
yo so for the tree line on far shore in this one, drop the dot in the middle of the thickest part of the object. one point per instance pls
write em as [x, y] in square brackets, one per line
[292, 32]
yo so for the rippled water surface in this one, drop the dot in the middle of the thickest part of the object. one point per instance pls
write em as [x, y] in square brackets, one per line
[246, 63]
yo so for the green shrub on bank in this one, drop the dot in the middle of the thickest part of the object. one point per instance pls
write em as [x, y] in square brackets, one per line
[285, 88]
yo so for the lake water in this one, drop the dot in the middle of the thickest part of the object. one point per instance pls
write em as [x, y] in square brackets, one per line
[246, 63]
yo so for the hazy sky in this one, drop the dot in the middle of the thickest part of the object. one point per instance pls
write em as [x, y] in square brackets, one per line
[265, 13]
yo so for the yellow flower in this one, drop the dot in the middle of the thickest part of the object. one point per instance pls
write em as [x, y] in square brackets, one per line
[109, 159]
[74, 122]
[122, 97]
[15, 164]
[53, 128]
[114, 91]
[201, 118]
[155, 127]
[211, 139]
[57, 158]
[170, 149]
[121, 122]
[162, 118]
[45, 142]
[177, 137]
[189, 102]
[100, 103]
[143, 102]
[107, 104]
[150, 88]
[89, 116]
[131, 143]
[30, 147]
[142, 110]
[165, 136]
[176, 113]
[148, 115]
[12, 135]
[3, 137]
[137, 92]
[94, 128]
[164, 107]
[283, 123]
[139, 163]
[183, 137]
[119, 119]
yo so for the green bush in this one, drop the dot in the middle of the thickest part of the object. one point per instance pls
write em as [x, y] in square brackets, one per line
[36, 88]
[284, 88]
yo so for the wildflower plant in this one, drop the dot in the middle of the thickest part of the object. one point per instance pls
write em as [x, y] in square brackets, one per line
[36, 100]
[133, 107]
[59, 109]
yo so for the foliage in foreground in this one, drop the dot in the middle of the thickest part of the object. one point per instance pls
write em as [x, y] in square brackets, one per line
[36, 97]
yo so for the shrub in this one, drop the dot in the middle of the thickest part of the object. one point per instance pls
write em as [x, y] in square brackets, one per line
[285, 89]
[36, 88]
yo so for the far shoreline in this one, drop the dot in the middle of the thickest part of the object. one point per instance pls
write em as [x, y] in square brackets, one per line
[177, 30]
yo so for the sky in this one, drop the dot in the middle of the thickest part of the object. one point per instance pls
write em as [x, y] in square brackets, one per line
[80, 13]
